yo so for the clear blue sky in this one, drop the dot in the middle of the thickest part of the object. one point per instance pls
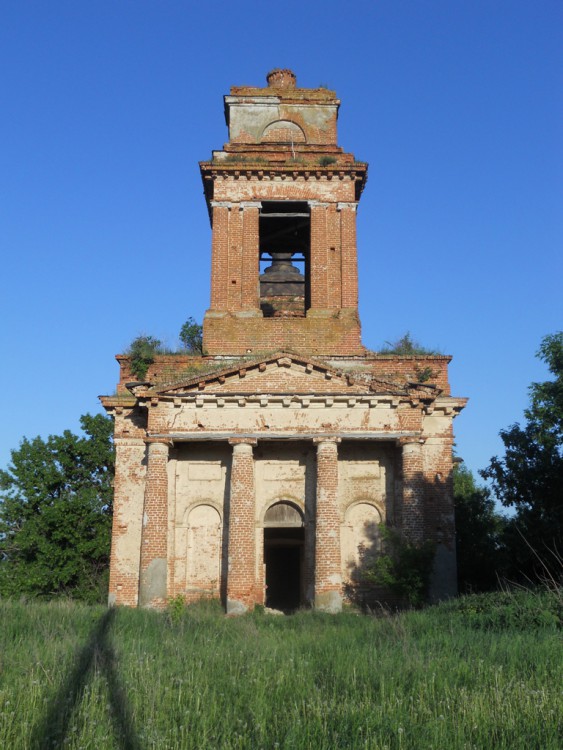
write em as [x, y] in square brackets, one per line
[107, 106]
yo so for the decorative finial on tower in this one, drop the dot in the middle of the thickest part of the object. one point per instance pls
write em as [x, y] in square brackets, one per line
[281, 79]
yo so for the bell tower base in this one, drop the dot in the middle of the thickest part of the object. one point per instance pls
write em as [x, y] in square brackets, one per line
[320, 332]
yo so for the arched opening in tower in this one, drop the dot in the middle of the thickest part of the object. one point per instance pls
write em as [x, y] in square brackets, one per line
[285, 240]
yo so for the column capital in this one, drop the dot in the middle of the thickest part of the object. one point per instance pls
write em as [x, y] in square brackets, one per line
[164, 442]
[117, 440]
[324, 439]
[411, 440]
[236, 442]
[221, 204]
[250, 204]
[318, 204]
[352, 206]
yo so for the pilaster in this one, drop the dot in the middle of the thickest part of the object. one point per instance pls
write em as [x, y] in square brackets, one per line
[127, 518]
[250, 254]
[319, 256]
[234, 259]
[439, 513]
[349, 255]
[219, 255]
[413, 490]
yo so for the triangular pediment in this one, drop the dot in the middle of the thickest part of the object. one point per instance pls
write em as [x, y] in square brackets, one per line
[281, 372]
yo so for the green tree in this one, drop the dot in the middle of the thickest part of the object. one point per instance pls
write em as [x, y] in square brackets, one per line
[403, 567]
[191, 336]
[55, 514]
[479, 530]
[529, 478]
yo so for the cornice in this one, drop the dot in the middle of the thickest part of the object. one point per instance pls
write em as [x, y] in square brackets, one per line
[243, 170]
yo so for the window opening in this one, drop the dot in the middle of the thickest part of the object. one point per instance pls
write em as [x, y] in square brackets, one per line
[285, 241]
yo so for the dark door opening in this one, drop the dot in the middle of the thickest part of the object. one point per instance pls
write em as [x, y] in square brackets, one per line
[283, 557]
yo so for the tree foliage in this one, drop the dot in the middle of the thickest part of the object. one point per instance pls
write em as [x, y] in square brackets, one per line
[55, 514]
[529, 478]
[403, 567]
[479, 534]
[191, 336]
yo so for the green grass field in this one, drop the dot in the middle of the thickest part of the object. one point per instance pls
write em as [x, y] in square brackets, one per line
[477, 673]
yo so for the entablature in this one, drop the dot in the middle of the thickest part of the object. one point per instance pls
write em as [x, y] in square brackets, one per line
[282, 400]
[390, 437]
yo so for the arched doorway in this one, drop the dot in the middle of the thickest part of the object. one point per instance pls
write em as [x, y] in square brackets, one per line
[284, 539]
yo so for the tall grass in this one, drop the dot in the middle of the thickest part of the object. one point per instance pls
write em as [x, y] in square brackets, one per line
[82, 677]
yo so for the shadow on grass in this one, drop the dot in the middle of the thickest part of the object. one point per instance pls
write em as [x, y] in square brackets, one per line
[96, 654]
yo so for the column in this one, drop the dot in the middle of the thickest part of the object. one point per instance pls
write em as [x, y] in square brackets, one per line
[328, 574]
[413, 491]
[349, 255]
[242, 529]
[154, 535]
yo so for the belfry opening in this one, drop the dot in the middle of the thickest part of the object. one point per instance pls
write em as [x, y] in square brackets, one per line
[285, 238]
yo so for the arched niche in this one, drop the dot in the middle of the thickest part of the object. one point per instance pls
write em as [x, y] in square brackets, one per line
[283, 131]
[359, 537]
[283, 514]
[203, 569]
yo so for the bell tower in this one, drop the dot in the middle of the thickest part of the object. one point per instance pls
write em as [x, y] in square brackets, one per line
[282, 199]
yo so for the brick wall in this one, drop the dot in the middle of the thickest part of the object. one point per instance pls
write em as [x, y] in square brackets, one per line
[236, 336]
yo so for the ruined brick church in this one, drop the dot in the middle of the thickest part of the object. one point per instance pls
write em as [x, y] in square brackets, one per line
[260, 472]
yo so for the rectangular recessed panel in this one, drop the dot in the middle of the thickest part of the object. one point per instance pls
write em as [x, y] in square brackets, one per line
[276, 471]
[204, 471]
[363, 470]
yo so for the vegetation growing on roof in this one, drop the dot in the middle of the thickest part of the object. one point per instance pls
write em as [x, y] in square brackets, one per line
[144, 348]
[191, 336]
[424, 374]
[407, 346]
[142, 352]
